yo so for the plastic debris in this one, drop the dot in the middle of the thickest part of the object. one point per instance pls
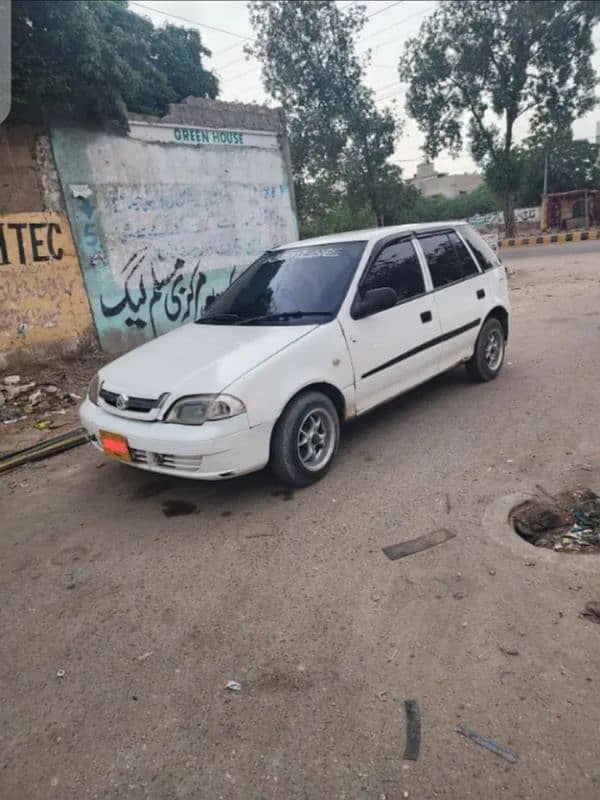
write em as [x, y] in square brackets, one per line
[11, 380]
[489, 744]
[233, 686]
[42, 424]
[60, 673]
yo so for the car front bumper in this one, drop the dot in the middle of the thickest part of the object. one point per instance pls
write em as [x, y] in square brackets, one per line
[213, 451]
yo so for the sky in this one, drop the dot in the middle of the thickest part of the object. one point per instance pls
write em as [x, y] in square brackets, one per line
[225, 28]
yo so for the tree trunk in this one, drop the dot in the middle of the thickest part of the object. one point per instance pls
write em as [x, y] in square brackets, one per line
[509, 214]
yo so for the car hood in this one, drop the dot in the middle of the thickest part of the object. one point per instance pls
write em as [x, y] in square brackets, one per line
[197, 359]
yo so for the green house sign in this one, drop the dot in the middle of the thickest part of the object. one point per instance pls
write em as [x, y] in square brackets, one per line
[201, 136]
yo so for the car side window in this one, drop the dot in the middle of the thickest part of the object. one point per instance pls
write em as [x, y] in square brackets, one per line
[483, 252]
[397, 267]
[447, 257]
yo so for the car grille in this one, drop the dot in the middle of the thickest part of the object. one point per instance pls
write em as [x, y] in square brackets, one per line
[166, 460]
[140, 404]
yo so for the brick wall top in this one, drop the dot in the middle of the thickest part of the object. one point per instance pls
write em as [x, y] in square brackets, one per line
[217, 114]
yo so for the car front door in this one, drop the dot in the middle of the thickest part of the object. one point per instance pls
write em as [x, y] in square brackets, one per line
[391, 349]
[459, 293]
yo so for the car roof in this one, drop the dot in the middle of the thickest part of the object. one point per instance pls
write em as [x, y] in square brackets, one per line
[372, 234]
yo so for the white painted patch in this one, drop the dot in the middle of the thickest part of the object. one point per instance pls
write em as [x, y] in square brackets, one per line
[81, 190]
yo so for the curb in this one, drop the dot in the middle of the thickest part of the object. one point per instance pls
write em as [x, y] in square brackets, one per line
[551, 238]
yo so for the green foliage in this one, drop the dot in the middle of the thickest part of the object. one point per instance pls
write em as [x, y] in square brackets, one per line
[98, 59]
[340, 141]
[476, 67]
[572, 164]
[480, 201]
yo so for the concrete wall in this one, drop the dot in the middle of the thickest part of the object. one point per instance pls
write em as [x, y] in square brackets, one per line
[43, 305]
[170, 213]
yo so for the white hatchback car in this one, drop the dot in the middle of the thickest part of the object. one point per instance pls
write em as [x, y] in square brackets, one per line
[311, 335]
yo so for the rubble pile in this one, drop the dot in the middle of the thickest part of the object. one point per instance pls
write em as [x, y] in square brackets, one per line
[21, 399]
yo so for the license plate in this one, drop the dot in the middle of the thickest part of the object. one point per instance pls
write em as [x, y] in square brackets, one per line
[115, 445]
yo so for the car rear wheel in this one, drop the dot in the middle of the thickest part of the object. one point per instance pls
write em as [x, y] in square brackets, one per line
[486, 361]
[305, 440]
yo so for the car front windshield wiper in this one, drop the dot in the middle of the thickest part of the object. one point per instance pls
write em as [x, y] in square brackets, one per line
[218, 319]
[284, 315]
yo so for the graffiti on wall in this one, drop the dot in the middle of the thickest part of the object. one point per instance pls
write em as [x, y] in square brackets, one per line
[41, 289]
[177, 295]
[496, 218]
[30, 241]
[161, 228]
[164, 249]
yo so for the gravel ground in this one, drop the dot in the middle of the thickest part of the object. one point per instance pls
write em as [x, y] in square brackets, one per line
[121, 626]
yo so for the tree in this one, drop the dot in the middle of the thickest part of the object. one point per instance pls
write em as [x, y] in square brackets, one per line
[98, 59]
[571, 164]
[338, 137]
[481, 66]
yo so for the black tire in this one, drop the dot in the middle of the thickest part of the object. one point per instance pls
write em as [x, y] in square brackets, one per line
[480, 366]
[287, 452]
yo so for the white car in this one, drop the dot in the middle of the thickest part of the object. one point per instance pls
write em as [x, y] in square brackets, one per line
[311, 335]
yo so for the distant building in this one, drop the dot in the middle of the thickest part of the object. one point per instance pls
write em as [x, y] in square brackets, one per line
[429, 182]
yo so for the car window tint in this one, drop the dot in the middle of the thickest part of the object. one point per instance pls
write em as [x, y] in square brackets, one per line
[484, 254]
[464, 258]
[446, 261]
[397, 266]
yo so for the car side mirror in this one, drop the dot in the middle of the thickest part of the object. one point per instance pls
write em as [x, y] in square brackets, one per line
[373, 301]
[209, 301]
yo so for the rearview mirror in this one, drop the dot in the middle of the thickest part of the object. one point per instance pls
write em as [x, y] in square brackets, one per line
[373, 301]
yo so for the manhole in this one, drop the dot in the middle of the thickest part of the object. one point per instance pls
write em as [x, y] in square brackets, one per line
[568, 522]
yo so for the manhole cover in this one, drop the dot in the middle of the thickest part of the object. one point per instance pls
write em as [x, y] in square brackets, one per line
[568, 522]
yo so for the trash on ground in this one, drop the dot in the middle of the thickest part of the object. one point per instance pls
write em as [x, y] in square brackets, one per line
[508, 651]
[592, 611]
[60, 673]
[49, 447]
[423, 542]
[42, 424]
[234, 686]
[489, 744]
[569, 522]
[146, 655]
[413, 730]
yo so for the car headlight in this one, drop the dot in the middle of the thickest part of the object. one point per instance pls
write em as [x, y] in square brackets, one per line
[94, 389]
[200, 408]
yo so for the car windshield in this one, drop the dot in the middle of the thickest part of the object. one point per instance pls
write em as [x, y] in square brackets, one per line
[288, 286]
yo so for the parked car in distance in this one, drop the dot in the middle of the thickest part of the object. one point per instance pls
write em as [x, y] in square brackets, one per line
[311, 335]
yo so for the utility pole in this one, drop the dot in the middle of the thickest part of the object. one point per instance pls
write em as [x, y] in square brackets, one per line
[545, 173]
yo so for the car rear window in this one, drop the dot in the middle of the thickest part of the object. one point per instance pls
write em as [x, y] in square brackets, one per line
[484, 254]
[447, 257]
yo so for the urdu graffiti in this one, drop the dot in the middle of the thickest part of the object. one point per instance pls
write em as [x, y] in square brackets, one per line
[146, 298]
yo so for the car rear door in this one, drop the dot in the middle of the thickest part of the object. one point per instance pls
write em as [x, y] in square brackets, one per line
[390, 349]
[459, 291]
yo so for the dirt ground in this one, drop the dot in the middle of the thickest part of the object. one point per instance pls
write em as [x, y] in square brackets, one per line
[120, 626]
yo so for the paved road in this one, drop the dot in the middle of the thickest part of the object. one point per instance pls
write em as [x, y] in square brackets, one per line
[149, 616]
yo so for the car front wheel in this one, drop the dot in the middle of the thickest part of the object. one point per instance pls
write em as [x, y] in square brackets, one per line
[486, 361]
[305, 440]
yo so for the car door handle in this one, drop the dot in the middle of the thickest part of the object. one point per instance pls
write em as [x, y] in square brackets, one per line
[480, 294]
[426, 316]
